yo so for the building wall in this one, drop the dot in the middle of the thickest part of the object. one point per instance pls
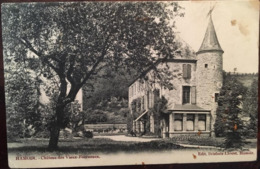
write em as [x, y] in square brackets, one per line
[174, 96]
[137, 90]
[207, 81]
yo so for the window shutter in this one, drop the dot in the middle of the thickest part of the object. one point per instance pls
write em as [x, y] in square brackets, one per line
[193, 95]
[184, 71]
[188, 71]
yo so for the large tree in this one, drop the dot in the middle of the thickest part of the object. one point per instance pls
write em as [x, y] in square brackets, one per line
[229, 122]
[73, 42]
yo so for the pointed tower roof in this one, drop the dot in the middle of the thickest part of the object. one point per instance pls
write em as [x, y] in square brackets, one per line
[210, 41]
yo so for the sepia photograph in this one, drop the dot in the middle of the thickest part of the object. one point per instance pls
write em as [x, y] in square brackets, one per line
[130, 83]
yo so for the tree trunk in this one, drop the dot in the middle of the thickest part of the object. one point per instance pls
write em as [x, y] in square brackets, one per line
[56, 126]
[54, 137]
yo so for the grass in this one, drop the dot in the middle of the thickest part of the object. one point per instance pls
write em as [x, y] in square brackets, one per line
[201, 141]
[210, 141]
[105, 145]
[89, 146]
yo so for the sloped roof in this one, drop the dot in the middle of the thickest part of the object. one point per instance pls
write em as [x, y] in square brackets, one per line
[187, 107]
[184, 50]
[210, 41]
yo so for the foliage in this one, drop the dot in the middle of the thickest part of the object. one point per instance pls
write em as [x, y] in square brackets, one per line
[95, 116]
[160, 105]
[229, 111]
[129, 122]
[158, 112]
[75, 117]
[109, 87]
[22, 100]
[136, 107]
[88, 134]
[124, 112]
[250, 107]
[73, 42]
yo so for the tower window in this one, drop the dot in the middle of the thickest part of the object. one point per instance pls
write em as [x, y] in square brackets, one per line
[206, 65]
[216, 97]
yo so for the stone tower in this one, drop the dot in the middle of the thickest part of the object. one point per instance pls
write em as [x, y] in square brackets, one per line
[209, 72]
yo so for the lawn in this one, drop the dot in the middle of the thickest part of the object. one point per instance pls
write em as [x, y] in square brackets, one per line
[89, 146]
[105, 145]
[210, 141]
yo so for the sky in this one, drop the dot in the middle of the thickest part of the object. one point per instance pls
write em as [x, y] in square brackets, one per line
[237, 27]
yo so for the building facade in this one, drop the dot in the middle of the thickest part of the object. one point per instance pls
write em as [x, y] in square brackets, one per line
[191, 102]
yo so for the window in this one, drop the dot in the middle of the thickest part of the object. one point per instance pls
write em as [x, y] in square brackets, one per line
[186, 71]
[186, 94]
[202, 122]
[142, 103]
[206, 65]
[152, 124]
[178, 122]
[216, 97]
[190, 122]
[130, 91]
[150, 99]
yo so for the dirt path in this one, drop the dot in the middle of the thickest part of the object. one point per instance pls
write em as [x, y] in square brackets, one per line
[125, 138]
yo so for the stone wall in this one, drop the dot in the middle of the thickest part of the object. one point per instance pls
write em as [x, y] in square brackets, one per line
[174, 96]
[209, 81]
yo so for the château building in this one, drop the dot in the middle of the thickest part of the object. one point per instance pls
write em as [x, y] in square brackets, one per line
[191, 103]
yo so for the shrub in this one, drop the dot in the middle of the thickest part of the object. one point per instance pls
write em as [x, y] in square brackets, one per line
[88, 134]
[124, 112]
[43, 134]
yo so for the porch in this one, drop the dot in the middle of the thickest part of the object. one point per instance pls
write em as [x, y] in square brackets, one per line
[187, 120]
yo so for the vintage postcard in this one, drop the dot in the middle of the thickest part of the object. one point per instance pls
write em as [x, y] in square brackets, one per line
[130, 83]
